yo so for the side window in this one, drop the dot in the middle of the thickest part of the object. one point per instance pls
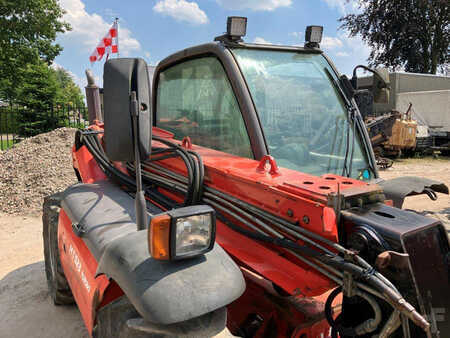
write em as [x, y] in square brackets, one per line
[195, 99]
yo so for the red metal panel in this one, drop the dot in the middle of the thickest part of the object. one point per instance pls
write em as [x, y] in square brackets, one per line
[297, 197]
[79, 267]
[87, 166]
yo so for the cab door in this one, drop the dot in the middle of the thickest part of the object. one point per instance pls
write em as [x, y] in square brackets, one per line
[195, 99]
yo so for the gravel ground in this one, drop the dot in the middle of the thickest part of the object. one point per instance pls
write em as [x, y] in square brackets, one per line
[36, 167]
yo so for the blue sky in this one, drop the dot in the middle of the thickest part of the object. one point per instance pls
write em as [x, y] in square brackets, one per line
[153, 29]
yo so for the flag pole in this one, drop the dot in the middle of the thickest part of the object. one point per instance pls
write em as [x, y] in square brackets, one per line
[117, 28]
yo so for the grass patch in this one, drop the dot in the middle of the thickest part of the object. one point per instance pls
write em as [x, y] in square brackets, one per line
[5, 144]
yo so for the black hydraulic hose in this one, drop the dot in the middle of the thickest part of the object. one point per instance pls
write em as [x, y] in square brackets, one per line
[194, 165]
[282, 242]
[196, 185]
[163, 183]
[191, 183]
[164, 157]
[115, 174]
[201, 173]
[335, 324]
[193, 171]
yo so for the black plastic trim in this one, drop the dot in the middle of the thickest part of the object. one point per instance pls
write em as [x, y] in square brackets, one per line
[169, 292]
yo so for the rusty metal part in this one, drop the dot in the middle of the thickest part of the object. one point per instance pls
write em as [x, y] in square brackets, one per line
[392, 258]
[93, 99]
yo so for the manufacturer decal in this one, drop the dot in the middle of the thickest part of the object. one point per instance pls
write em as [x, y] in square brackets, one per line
[77, 264]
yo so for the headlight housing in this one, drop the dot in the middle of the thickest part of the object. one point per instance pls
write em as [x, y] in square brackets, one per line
[182, 233]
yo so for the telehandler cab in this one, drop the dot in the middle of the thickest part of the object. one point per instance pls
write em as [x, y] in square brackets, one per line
[239, 192]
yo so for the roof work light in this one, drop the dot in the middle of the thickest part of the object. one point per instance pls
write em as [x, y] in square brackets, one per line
[236, 26]
[236, 29]
[313, 36]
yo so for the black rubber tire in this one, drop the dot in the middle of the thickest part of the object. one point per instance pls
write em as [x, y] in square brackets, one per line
[58, 286]
[111, 318]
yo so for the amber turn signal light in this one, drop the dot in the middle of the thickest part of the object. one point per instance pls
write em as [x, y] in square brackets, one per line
[159, 237]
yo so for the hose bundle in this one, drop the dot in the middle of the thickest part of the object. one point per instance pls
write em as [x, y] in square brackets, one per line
[263, 226]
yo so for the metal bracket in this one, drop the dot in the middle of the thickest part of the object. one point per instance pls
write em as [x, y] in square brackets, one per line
[392, 258]
[78, 229]
[348, 285]
[186, 142]
[273, 165]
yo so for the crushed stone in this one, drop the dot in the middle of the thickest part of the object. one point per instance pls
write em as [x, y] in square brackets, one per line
[34, 168]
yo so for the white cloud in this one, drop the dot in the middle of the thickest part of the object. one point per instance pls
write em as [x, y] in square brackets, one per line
[78, 81]
[88, 29]
[256, 5]
[261, 41]
[296, 35]
[343, 6]
[342, 54]
[331, 43]
[182, 10]
[355, 45]
[352, 52]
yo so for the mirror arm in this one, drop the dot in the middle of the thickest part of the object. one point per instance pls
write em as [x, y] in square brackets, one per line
[140, 202]
[355, 77]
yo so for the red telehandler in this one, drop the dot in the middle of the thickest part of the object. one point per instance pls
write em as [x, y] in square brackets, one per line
[238, 194]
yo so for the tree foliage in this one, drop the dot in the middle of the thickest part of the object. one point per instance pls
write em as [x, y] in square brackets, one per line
[28, 29]
[69, 93]
[47, 100]
[409, 34]
[37, 97]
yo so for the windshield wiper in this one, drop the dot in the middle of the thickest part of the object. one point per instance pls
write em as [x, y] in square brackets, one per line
[347, 169]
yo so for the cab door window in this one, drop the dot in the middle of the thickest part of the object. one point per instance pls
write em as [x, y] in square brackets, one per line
[195, 99]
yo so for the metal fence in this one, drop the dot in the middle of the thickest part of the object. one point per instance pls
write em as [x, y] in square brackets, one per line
[17, 123]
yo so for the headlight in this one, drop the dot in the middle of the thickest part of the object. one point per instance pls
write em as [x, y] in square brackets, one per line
[182, 233]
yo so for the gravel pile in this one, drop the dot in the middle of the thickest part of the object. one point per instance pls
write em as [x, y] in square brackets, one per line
[34, 168]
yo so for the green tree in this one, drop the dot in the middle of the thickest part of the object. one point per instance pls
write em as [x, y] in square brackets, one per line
[413, 34]
[70, 93]
[28, 30]
[38, 96]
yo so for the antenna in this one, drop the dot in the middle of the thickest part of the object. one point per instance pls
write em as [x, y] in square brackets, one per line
[139, 203]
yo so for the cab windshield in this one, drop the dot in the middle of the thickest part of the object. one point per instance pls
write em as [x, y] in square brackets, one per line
[303, 115]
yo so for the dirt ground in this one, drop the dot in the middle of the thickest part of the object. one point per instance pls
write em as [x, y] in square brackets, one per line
[26, 309]
[434, 169]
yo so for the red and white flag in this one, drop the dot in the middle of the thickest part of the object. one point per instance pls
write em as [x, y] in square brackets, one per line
[108, 45]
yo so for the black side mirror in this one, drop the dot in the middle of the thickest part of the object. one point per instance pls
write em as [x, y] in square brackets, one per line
[121, 77]
[380, 86]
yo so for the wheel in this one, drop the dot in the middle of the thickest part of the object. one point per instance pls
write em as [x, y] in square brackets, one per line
[111, 318]
[58, 287]
[119, 319]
